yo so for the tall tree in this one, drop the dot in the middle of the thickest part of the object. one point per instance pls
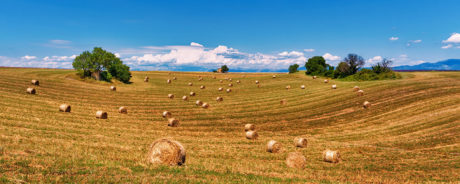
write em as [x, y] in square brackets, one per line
[224, 68]
[293, 68]
[355, 62]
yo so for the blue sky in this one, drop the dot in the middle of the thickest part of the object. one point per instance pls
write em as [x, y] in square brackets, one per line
[246, 35]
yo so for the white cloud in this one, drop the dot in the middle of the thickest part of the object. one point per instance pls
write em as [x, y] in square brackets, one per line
[394, 38]
[454, 38]
[60, 42]
[196, 44]
[411, 42]
[35, 62]
[118, 55]
[59, 58]
[330, 57]
[374, 60]
[27, 57]
[290, 54]
[447, 46]
[309, 50]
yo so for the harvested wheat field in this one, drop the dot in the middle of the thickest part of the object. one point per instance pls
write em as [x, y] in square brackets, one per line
[410, 134]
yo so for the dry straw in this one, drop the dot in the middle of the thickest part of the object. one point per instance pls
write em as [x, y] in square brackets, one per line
[166, 114]
[166, 152]
[356, 88]
[64, 108]
[31, 91]
[171, 96]
[205, 105]
[334, 86]
[202, 87]
[146, 79]
[113, 88]
[331, 156]
[221, 81]
[214, 77]
[219, 99]
[123, 110]
[360, 92]
[173, 122]
[199, 103]
[200, 79]
[192, 93]
[296, 160]
[101, 115]
[229, 90]
[251, 134]
[302, 87]
[249, 127]
[366, 104]
[273, 146]
[300, 142]
[283, 102]
[185, 98]
[35, 82]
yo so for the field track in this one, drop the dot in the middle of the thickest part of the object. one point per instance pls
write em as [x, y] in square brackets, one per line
[411, 134]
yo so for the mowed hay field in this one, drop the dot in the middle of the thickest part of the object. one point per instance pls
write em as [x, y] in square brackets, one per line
[410, 134]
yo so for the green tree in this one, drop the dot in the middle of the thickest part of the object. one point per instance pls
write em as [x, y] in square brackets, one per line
[383, 66]
[224, 68]
[317, 66]
[293, 68]
[355, 62]
[342, 70]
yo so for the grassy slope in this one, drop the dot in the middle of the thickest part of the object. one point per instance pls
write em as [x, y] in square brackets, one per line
[411, 134]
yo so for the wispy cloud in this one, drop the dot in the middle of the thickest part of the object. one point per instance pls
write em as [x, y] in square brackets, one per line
[309, 50]
[374, 60]
[58, 44]
[447, 46]
[27, 57]
[412, 42]
[394, 38]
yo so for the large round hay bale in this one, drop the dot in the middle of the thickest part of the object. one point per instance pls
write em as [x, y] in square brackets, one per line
[331, 156]
[166, 114]
[300, 142]
[101, 115]
[221, 81]
[252, 134]
[123, 110]
[173, 122]
[35, 82]
[190, 84]
[258, 85]
[113, 88]
[274, 76]
[366, 104]
[283, 102]
[296, 160]
[302, 87]
[230, 79]
[229, 90]
[356, 88]
[230, 85]
[166, 152]
[171, 96]
[192, 93]
[185, 98]
[314, 77]
[214, 77]
[334, 86]
[200, 79]
[273, 146]
[360, 92]
[31, 91]
[288, 87]
[249, 127]
[174, 78]
[326, 81]
[146, 79]
[168, 81]
[220, 89]
[238, 81]
[64, 108]
[219, 99]
[205, 105]
[202, 87]
[257, 82]
[199, 103]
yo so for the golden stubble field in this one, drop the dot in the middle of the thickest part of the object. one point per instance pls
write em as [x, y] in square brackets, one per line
[411, 134]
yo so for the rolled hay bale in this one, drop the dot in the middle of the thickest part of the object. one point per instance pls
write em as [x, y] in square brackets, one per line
[190, 84]
[221, 81]
[202, 87]
[258, 85]
[199, 103]
[288, 87]
[331, 156]
[229, 90]
[168, 81]
[31, 91]
[173, 122]
[238, 81]
[185, 98]
[366, 104]
[166, 114]
[214, 77]
[171, 96]
[249, 127]
[300, 142]
[219, 99]
[220, 89]
[146, 79]
[230, 85]
[101, 115]
[283, 102]
[174, 78]
[257, 82]
[35, 82]
[302, 87]
[230, 79]
[314, 77]
[334, 86]
[274, 76]
[205, 105]
[192, 93]
[296, 160]
[273, 146]
[360, 92]
[166, 152]
[252, 134]
[200, 79]
[123, 110]
[356, 88]
[113, 88]
[64, 108]
[326, 81]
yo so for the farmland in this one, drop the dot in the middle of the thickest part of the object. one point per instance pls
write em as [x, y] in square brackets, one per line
[411, 133]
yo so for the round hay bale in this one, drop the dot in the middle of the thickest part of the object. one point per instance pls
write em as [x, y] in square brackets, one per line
[331, 156]
[302, 87]
[101, 115]
[366, 104]
[238, 81]
[356, 88]
[249, 127]
[199, 103]
[219, 99]
[220, 89]
[168, 81]
[257, 82]
[173, 122]
[123, 110]
[229, 90]
[296, 160]
[300, 142]
[113, 88]
[258, 85]
[334, 86]
[314, 77]
[166, 152]
[185, 98]
[190, 84]
[64, 108]
[166, 114]
[288, 87]
[360, 92]
[202, 87]
[174, 78]
[146, 79]
[192, 93]
[171, 96]
[230, 79]
[326, 81]
[221, 81]
[205, 105]
[31, 91]
[273, 146]
[214, 77]
[230, 85]
[274, 76]
[252, 134]
[283, 102]
[200, 79]
[35, 82]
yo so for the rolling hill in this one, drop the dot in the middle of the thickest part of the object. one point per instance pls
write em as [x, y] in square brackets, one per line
[450, 64]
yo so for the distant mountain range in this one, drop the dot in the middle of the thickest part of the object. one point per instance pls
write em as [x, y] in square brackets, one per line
[450, 64]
